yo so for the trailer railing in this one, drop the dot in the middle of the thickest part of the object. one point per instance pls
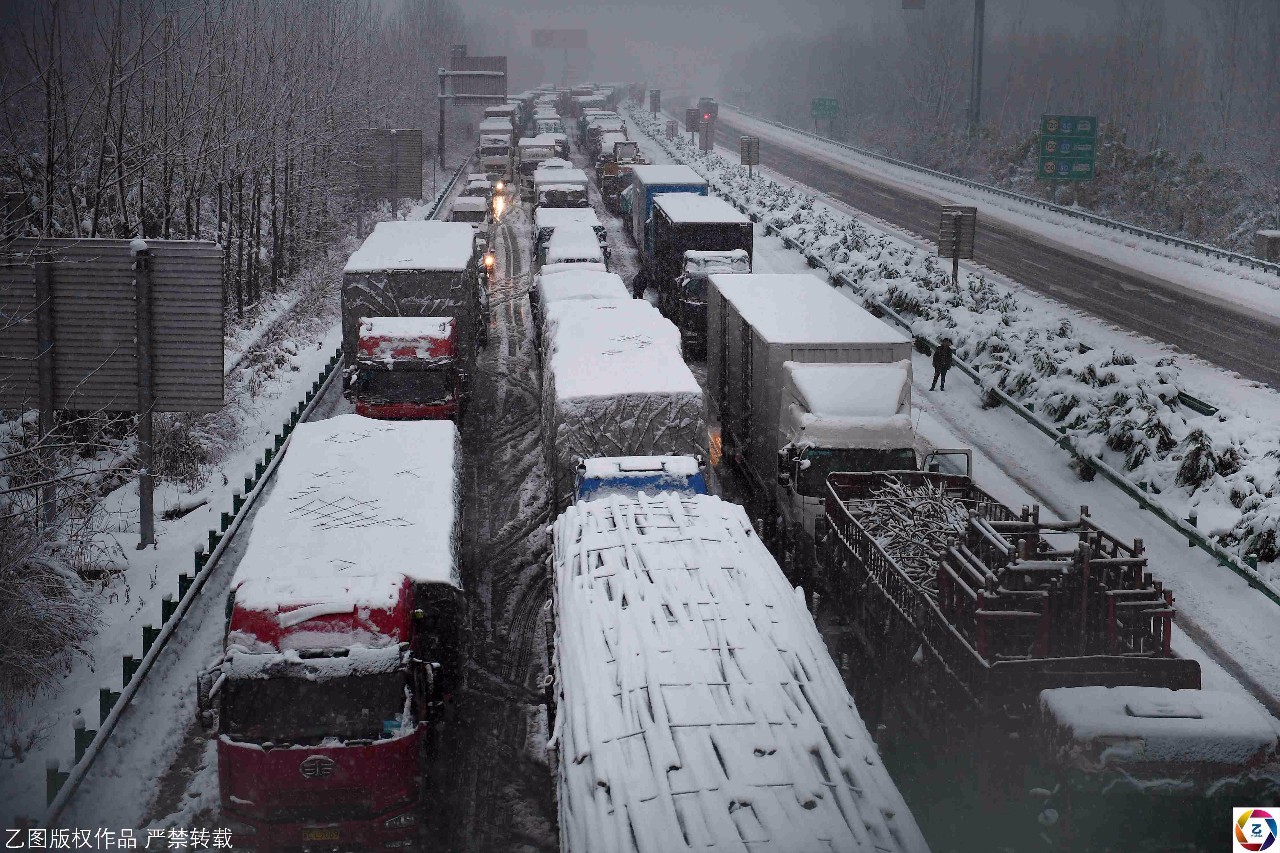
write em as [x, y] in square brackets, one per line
[1092, 218]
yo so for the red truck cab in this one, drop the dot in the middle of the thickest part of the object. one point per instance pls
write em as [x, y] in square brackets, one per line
[323, 722]
[343, 641]
[407, 368]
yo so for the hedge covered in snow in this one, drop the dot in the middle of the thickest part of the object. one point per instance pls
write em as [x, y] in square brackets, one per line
[1111, 403]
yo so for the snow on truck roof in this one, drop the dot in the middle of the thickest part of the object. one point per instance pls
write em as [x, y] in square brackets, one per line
[573, 241]
[471, 204]
[580, 284]
[675, 175]
[544, 175]
[699, 706]
[495, 124]
[801, 308]
[687, 207]
[358, 506]
[554, 217]
[852, 390]
[414, 245]
[610, 348]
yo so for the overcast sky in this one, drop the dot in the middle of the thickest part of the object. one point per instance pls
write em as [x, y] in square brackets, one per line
[680, 43]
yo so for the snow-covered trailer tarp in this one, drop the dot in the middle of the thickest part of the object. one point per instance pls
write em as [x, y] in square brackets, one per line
[414, 269]
[697, 707]
[614, 384]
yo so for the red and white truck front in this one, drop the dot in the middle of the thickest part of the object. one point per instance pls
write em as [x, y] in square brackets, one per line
[407, 368]
[343, 641]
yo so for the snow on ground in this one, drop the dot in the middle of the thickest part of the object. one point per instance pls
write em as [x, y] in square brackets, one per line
[1236, 630]
[1107, 400]
[698, 705]
[1256, 290]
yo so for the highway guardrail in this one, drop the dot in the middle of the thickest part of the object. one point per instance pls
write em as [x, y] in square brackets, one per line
[1157, 236]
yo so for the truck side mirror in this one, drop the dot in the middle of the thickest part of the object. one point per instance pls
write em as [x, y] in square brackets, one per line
[784, 479]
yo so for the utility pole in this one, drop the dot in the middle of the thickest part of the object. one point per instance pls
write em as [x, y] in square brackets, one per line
[975, 70]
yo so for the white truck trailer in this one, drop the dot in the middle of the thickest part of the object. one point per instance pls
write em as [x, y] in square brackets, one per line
[695, 704]
[781, 422]
[614, 384]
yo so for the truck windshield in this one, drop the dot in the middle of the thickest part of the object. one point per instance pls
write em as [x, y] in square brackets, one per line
[817, 462]
[301, 711]
[400, 385]
[695, 288]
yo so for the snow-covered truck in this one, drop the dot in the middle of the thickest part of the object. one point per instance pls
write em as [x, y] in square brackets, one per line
[532, 152]
[407, 369]
[570, 284]
[684, 222]
[556, 187]
[1041, 653]
[688, 305]
[785, 425]
[614, 384]
[649, 181]
[343, 640]
[494, 147]
[694, 703]
[547, 219]
[573, 243]
[414, 269]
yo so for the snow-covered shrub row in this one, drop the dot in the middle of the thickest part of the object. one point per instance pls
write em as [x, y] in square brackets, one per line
[1109, 402]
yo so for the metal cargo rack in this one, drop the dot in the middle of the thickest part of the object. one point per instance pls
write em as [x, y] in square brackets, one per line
[1021, 604]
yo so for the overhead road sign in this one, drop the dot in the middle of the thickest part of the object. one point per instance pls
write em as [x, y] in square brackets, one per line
[560, 39]
[1068, 145]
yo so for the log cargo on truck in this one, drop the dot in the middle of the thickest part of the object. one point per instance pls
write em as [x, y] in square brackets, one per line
[695, 704]
[1046, 646]
[343, 640]
[414, 269]
[614, 384]
[684, 222]
[763, 331]
[647, 182]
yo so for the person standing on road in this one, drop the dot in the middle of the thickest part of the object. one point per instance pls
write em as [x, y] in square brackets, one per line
[942, 358]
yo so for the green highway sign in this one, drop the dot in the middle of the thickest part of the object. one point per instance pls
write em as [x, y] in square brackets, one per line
[825, 107]
[1067, 147]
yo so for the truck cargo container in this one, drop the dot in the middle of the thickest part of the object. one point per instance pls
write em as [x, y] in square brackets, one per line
[572, 282]
[757, 325]
[415, 269]
[614, 384]
[649, 181]
[694, 703]
[683, 222]
[343, 641]
[532, 151]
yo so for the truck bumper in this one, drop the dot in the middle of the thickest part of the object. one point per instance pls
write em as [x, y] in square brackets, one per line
[325, 837]
[407, 411]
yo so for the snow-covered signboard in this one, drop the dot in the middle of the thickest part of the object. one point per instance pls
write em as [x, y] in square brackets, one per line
[389, 162]
[84, 319]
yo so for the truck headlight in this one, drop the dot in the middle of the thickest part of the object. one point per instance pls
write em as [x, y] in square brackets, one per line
[401, 821]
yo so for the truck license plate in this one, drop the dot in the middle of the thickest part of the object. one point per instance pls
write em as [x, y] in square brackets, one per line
[320, 835]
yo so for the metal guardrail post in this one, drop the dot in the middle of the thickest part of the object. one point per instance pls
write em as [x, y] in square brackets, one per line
[61, 787]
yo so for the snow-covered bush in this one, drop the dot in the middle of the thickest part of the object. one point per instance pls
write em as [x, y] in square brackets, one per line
[1114, 404]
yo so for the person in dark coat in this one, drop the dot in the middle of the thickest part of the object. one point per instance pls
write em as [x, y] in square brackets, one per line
[942, 358]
